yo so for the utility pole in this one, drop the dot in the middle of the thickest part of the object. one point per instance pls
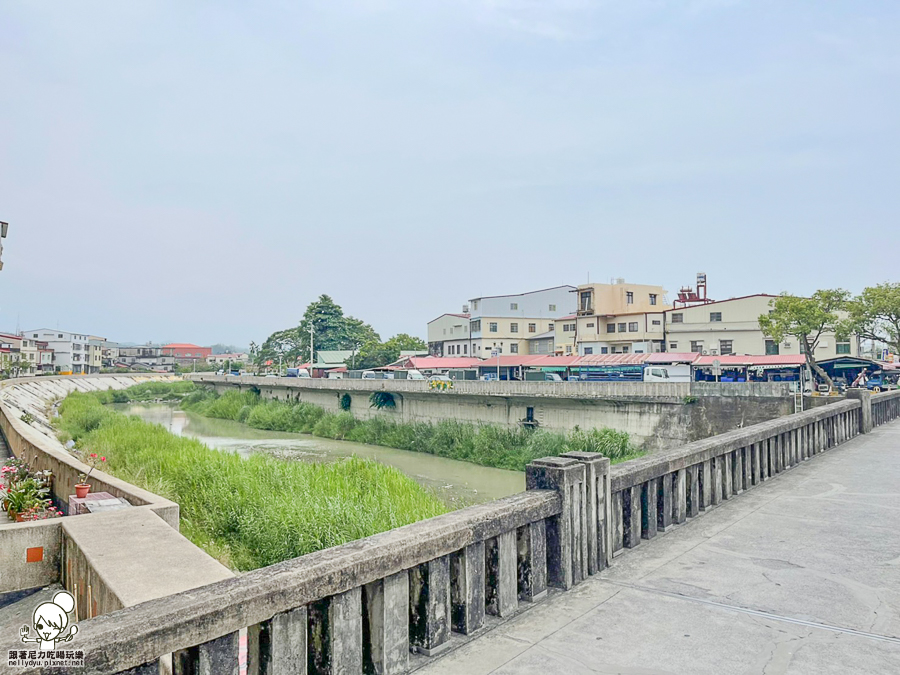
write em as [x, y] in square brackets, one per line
[4, 227]
[311, 331]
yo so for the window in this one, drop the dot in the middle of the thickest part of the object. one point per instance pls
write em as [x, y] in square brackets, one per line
[532, 328]
[621, 327]
[842, 348]
[513, 328]
[514, 348]
[514, 305]
[552, 308]
[771, 347]
[653, 298]
[474, 305]
[35, 335]
[529, 414]
[633, 327]
[629, 297]
[588, 350]
[696, 346]
[673, 346]
[725, 347]
[60, 335]
[586, 301]
[589, 325]
[465, 349]
[610, 328]
[550, 327]
[715, 316]
[476, 326]
[678, 318]
[655, 322]
[492, 326]
[604, 350]
[625, 349]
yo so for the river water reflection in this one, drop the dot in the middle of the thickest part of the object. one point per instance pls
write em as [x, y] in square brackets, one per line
[458, 483]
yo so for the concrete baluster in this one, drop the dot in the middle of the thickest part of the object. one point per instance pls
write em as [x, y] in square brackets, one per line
[649, 500]
[680, 496]
[665, 508]
[596, 478]
[566, 543]
[717, 486]
[386, 625]
[632, 515]
[616, 524]
[502, 575]
[151, 668]
[532, 561]
[467, 588]
[335, 634]
[706, 485]
[429, 606]
[215, 657]
[693, 490]
[278, 646]
[727, 484]
[737, 471]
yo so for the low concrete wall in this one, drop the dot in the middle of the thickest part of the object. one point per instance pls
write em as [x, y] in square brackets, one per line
[656, 415]
[29, 554]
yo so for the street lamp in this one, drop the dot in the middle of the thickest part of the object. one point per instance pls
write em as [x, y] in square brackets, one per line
[4, 228]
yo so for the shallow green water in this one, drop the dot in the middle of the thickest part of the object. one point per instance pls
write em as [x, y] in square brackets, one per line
[456, 482]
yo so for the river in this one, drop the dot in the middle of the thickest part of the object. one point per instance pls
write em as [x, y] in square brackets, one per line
[457, 483]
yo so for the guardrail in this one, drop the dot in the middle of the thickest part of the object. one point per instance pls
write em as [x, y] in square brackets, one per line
[365, 605]
[885, 407]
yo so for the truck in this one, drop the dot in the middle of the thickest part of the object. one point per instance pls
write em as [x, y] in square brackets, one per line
[297, 372]
[679, 372]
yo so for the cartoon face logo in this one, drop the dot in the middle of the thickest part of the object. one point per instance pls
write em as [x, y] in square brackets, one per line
[50, 620]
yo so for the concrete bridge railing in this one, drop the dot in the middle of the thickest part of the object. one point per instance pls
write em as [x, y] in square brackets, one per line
[885, 407]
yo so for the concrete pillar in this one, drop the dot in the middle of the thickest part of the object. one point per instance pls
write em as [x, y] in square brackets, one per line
[335, 633]
[737, 471]
[706, 485]
[429, 606]
[632, 515]
[532, 561]
[210, 658]
[467, 588]
[596, 479]
[864, 396]
[649, 517]
[665, 508]
[680, 496]
[386, 625]
[278, 646]
[151, 668]
[501, 572]
[693, 491]
[616, 525]
[717, 463]
[566, 544]
[727, 476]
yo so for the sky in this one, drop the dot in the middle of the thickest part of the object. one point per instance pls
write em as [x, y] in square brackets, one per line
[199, 172]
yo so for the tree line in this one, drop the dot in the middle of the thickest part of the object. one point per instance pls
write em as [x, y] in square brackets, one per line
[332, 330]
[873, 315]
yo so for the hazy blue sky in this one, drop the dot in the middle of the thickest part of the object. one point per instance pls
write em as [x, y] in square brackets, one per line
[200, 171]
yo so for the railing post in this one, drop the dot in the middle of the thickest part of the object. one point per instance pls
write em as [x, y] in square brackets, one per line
[864, 396]
[566, 543]
[386, 625]
[502, 573]
[210, 658]
[532, 559]
[467, 588]
[596, 478]
[429, 606]
[335, 633]
[278, 646]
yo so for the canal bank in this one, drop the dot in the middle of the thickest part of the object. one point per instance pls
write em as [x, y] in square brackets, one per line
[458, 483]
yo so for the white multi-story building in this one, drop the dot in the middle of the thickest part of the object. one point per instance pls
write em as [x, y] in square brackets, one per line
[71, 351]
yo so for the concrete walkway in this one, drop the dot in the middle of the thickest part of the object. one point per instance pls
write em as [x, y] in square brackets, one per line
[800, 575]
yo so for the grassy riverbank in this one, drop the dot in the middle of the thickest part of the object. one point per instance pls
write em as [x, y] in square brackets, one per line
[486, 445]
[246, 512]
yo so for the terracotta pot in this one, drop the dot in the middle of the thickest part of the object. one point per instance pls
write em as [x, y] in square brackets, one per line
[20, 518]
[82, 489]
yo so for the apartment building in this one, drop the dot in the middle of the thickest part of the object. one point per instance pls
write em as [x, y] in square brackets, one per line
[186, 353]
[221, 359]
[147, 356]
[21, 355]
[448, 335]
[71, 351]
[506, 322]
[564, 331]
[732, 327]
[619, 318]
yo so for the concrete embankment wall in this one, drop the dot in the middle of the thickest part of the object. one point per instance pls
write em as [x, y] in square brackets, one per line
[106, 560]
[656, 415]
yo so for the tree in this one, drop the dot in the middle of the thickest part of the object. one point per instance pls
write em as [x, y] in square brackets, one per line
[331, 329]
[807, 319]
[875, 315]
[281, 345]
[220, 348]
[377, 354]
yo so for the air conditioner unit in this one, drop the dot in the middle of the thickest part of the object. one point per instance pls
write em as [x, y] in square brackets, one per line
[704, 353]
[714, 352]
[465, 309]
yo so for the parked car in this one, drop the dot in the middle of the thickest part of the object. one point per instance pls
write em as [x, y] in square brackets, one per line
[297, 372]
[439, 378]
[414, 375]
[220, 372]
[271, 374]
[370, 375]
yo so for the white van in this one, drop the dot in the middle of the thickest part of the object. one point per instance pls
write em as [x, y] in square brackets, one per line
[680, 372]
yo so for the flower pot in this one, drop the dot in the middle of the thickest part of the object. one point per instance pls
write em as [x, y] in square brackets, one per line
[82, 489]
[20, 518]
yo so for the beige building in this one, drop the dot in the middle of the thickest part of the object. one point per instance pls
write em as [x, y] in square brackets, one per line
[620, 318]
[19, 353]
[732, 327]
[448, 335]
[564, 330]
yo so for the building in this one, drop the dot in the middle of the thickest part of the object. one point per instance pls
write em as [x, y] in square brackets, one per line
[20, 354]
[109, 353]
[185, 353]
[149, 357]
[449, 334]
[731, 326]
[564, 331]
[71, 351]
[222, 359]
[619, 318]
[499, 322]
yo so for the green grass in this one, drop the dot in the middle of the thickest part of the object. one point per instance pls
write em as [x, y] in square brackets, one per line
[484, 444]
[247, 512]
[147, 391]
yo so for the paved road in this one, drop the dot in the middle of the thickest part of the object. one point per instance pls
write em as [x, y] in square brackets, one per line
[800, 575]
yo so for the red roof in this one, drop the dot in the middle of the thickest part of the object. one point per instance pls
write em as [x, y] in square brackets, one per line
[751, 360]
[433, 362]
[183, 345]
[672, 357]
[527, 360]
[716, 302]
[611, 359]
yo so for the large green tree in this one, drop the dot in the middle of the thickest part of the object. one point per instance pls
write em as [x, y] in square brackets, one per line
[875, 314]
[378, 354]
[806, 320]
[281, 345]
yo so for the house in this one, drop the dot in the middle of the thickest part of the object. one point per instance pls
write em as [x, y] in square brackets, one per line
[71, 351]
[186, 353]
[448, 335]
[21, 356]
[619, 318]
[725, 327]
[149, 356]
[222, 359]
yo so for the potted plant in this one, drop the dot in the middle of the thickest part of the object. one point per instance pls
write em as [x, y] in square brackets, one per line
[24, 495]
[83, 487]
